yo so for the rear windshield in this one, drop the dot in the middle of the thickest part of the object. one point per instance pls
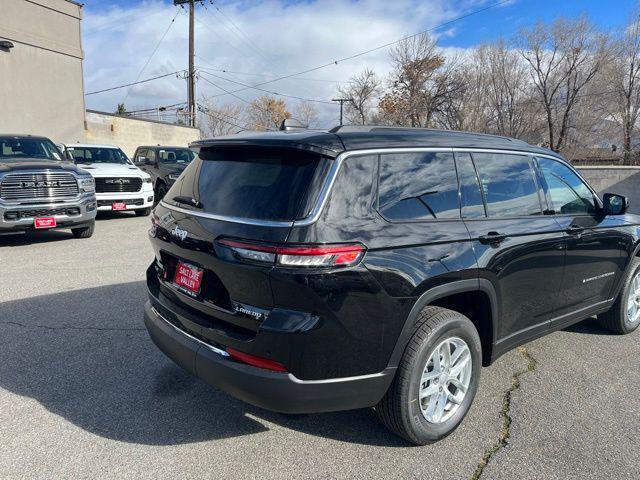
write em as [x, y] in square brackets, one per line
[262, 184]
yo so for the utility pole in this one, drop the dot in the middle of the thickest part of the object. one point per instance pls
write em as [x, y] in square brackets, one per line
[342, 101]
[191, 76]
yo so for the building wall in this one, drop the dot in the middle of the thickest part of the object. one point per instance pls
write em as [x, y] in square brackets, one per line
[128, 133]
[622, 180]
[41, 83]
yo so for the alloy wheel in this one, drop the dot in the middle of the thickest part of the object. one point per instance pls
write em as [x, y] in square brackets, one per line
[445, 379]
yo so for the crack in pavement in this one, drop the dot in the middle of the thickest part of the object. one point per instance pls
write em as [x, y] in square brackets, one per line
[102, 329]
[505, 433]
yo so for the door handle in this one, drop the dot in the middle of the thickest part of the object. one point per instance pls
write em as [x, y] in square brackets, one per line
[492, 238]
[574, 230]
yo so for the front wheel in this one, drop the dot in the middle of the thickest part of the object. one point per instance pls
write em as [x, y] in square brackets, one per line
[162, 191]
[437, 378]
[143, 212]
[624, 315]
[84, 232]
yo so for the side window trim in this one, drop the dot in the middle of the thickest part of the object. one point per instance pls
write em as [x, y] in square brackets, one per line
[457, 159]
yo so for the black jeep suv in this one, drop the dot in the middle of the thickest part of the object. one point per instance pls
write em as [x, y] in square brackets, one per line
[163, 164]
[373, 266]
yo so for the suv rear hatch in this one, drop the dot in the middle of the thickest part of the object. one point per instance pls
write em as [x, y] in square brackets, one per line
[229, 195]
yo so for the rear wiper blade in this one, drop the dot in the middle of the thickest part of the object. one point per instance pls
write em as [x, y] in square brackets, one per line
[188, 201]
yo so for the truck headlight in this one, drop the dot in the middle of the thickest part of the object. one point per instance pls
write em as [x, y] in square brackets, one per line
[173, 176]
[87, 184]
[146, 180]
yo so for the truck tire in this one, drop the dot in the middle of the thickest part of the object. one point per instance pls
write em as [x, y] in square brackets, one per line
[143, 212]
[84, 232]
[624, 315]
[436, 380]
[162, 191]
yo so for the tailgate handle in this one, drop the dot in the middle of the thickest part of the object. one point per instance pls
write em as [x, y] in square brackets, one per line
[492, 238]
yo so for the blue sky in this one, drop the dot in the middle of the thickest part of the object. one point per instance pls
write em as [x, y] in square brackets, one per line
[276, 37]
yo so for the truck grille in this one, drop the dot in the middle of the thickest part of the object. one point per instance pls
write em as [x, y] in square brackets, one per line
[118, 184]
[25, 186]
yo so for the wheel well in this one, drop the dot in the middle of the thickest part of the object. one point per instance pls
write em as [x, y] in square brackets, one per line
[476, 306]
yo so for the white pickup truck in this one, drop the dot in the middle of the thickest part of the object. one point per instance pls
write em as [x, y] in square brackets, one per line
[120, 185]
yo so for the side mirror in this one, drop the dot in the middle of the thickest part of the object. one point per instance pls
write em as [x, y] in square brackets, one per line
[615, 204]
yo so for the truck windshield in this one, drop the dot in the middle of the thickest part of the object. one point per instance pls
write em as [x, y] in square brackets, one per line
[97, 155]
[18, 149]
[176, 155]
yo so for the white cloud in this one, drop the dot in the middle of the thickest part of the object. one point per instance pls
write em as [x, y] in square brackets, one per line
[278, 38]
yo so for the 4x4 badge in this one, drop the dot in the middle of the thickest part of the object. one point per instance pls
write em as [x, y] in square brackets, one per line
[180, 233]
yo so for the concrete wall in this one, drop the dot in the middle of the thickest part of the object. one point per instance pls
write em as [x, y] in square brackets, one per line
[41, 83]
[622, 180]
[128, 133]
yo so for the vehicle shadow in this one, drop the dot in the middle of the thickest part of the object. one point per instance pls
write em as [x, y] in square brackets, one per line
[85, 355]
[33, 237]
[589, 326]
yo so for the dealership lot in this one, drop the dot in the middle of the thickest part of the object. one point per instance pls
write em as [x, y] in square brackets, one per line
[85, 393]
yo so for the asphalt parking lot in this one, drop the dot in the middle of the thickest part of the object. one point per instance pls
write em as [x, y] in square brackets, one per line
[85, 394]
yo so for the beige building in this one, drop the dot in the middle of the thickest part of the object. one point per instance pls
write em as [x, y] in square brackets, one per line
[41, 86]
[41, 81]
[129, 133]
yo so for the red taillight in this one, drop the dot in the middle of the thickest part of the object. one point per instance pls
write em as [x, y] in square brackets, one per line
[298, 255]
[255, 361]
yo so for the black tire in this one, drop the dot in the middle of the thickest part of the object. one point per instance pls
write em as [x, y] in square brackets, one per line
[616, 319]
[84, 232]
[400, 410]
[162, 191]
[143, 212]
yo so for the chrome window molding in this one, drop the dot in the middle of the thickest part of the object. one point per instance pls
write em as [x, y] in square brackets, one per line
[332, 175]
[224, 218]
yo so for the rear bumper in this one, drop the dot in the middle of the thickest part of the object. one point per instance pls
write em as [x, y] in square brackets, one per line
[69, 214]
[280, 392]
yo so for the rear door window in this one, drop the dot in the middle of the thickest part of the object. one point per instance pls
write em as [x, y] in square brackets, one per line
[418, 186]
[508, 184]
[254, 183]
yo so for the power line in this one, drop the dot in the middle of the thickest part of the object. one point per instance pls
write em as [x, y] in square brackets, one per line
[379, 47]
[243, 34]
[226, 91]
[246, 42]
[208, 111]
[233, 72]
[153, 53]
[135, 83]
[267, 91]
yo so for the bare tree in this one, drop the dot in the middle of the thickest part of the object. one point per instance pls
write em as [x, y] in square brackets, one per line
[224, 119]
[419, 85]
[623, 74]
[563, 59]
[267, 113]
[508, 93]
[306, 113]
[362, 89]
